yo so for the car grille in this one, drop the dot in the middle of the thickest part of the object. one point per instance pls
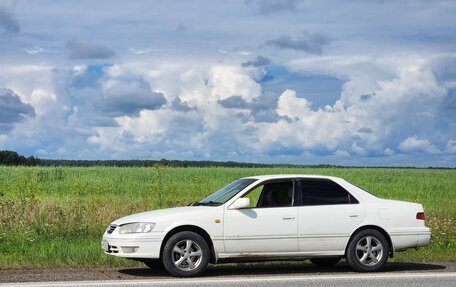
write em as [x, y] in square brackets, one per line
[111, 228]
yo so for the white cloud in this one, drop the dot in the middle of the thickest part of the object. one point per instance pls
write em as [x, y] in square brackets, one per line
[140, 51]
[389, 96]
[292, 106]
[388, 151]
[357, 149]
[451, 146]
[44, 102]
[228, 81]
[149, 124]
[414, 144]
[106, 139]
[342, 153]
[79, 69]
[34, 50]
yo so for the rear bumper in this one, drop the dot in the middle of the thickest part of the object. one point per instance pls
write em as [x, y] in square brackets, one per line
[424, 237]
[411, 238]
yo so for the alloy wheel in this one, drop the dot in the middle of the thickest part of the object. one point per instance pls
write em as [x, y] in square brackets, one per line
[187, 255]
[369, 250]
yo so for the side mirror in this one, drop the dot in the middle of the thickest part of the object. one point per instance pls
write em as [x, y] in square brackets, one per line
[242, 202]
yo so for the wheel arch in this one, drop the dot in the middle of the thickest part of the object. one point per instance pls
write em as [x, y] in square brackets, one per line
[193, 228]
[379, 229]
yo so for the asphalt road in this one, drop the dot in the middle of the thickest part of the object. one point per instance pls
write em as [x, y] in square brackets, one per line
[251, 275]
[444, 279]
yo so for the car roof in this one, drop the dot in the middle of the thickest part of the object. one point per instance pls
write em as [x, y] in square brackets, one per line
[284, 176]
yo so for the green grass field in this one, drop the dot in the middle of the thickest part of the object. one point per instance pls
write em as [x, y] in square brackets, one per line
[55, 217]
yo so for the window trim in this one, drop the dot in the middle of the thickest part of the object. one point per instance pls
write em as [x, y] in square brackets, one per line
[275, 180]
[363, 189]
[301, 192]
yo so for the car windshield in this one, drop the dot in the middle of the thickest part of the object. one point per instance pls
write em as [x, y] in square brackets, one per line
[227, 192]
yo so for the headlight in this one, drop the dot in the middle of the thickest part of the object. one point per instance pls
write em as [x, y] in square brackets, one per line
[138, 227]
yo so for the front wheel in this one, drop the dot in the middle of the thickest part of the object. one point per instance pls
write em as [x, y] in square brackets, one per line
[367, 251]
[186, 254]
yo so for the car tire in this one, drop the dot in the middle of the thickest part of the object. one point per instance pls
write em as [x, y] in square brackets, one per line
[325, 262]
[367, 251]
[154, 264]
[186, 254]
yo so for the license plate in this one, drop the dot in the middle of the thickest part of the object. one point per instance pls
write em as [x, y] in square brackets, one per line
[105, 245]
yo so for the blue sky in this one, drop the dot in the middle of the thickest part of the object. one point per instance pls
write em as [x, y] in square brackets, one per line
[369, 83]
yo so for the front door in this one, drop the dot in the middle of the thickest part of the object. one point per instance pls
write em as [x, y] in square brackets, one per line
[268, 227]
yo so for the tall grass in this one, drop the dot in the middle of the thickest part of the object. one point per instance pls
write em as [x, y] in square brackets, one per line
[55, 217]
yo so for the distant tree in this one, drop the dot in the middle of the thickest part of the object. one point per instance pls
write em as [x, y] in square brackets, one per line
[163, 162]
[11, 158]
[33, 161]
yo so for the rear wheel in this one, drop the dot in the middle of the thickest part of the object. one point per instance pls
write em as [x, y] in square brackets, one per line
[325, 262]
[186, 254]
[367, 251]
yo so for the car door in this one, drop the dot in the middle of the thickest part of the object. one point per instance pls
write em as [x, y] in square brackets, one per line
[269, 226]
[327, 215]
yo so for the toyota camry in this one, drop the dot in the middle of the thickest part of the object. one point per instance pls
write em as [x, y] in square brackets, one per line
[272, 217]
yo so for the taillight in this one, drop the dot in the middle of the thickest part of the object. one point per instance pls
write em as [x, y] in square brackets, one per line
[420, 216]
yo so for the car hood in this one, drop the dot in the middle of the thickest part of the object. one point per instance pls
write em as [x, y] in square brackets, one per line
[160, 213]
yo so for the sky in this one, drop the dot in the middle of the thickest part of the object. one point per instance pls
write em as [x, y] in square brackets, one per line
[360, 83]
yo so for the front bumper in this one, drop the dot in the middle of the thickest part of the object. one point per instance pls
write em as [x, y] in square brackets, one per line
[132, 245]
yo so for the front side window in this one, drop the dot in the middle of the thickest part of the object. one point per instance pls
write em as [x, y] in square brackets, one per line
[274, 194]
[324, 192]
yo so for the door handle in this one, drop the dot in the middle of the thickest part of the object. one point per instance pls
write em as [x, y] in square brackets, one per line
[288, 218]
[354, 215]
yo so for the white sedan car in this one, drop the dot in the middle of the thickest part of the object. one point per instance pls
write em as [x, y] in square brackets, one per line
[273, 217]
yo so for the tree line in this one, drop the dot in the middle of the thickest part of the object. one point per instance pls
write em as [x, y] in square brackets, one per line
[12, 158]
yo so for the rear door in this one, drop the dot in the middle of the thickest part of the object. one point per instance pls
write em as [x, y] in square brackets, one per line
[327, 215]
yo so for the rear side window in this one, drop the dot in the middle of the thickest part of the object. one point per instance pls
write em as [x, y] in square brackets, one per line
[324, 192]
